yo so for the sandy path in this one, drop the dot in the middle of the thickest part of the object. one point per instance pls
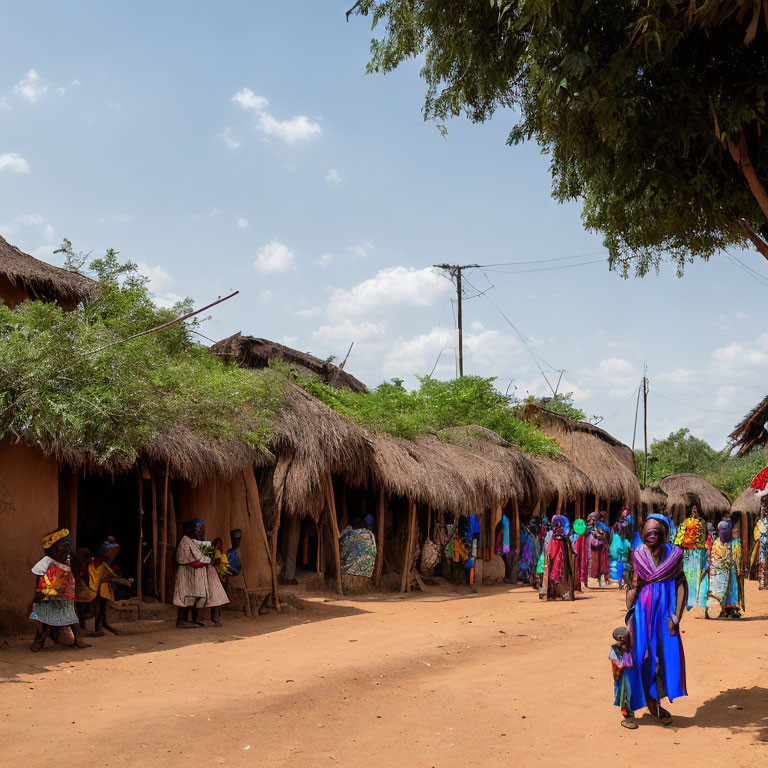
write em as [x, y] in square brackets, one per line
[438, 679]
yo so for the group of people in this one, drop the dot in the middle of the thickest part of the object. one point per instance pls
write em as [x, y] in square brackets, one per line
[70, 588]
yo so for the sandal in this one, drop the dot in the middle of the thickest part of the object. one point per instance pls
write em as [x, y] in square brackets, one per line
[629, 722]
[664, 717]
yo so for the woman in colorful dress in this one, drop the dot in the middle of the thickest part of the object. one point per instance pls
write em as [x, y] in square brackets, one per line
[559, 576]
[54, 603]
[761, 544]
[723, 580]
[358, 550]
[692, 539]
[656, 603]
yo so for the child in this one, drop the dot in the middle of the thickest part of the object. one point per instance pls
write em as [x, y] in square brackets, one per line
[621, 659]
[102, 577]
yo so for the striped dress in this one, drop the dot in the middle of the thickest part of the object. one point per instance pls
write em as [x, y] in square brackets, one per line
[198, 585]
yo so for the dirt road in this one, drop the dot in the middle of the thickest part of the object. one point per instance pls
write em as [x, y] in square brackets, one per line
[441, 678]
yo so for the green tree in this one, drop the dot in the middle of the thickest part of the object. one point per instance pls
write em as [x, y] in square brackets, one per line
[653, 113]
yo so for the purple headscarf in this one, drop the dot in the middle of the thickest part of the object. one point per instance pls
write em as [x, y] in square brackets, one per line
[669, 568]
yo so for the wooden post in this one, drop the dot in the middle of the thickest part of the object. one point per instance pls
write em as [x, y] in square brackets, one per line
[319, 558]
[343, 499]
[155, 562]
[379, 541]
[139, 594]
[597, 503]
[73, 509]
[275, 586]
[409, 546]
[745, 543]
[516, 526]
[429, 520]
[164, 543]
[331, 504]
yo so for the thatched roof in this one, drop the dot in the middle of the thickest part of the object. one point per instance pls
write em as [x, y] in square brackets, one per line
[748, 502]
[683, 490]
[751, 432]
[605, 461]
[653, 498]
[250, 352]
[310, 440]
[464, 470]
[42, 280]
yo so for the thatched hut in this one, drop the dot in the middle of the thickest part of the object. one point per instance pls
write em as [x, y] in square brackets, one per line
[250, 352]
[24, 277]
[685, 489]
[751, 432]
[606, 463]
[653, 499]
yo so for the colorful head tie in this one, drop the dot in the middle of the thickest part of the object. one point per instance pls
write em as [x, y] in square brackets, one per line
[198, 521]
[51, 538]
[661, 518]
[561, 520]
[760, 482]
[579, 526]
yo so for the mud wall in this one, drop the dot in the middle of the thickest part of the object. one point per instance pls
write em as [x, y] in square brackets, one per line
[29, 508]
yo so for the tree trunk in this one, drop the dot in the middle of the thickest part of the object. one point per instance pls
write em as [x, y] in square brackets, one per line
[275, 584]
[331, 504]
[409, 546]
[379, 541]
[740, 155]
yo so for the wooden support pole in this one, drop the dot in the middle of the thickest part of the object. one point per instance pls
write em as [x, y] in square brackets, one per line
[516, 526]
[745, 552]
[319, 558]
[275, 585]
[155, 561]
[331, 504]
[73, 509]
[343, 500]
[164, 543]
[379, 541]
[409, 546]
[429, 521]
[139, 563]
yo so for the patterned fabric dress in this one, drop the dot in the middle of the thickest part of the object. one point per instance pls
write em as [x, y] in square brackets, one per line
[723, 581]
[358, 552]
[658, 662]
[692, 539]
[761, 545]
[197, 583]
[55, 594]
[621, 661]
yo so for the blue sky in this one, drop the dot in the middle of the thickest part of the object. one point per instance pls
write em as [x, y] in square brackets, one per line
[241, 146]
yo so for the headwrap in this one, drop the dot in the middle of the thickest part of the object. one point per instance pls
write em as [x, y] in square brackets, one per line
[662, 519]
[760, 482]
[561, 520]
[51, 538]
[669, 568]
[198, 521]
[107, 546]
[579, 526]
[369, 521]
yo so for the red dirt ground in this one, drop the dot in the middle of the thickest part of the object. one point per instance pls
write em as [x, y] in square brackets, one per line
[440, 678]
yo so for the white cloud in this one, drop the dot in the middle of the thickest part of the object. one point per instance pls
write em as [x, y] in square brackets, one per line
[114, 105]
[332, 177]
[30, 87]
[392, 287]
[680, 376]
[311, 312]
[325, 259]
[477, 326]
[741, 355]
[741, 316]
[274, 257]
[27, 221]
[614, 365]
[13, 162]
[167, 301]
[265, 296]
[227, 139]
[247, 99]
[361, 249]
[62, 89]
[297, 128]
[418, 354]
[348, 331]
[159, 279]
[241, 222]
[290, 341]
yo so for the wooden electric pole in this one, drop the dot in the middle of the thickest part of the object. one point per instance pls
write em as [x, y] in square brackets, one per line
[645, 423]
[455, 270]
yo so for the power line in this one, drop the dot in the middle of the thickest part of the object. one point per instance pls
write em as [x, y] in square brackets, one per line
[688, 405]
[542, 261]
[544, 269]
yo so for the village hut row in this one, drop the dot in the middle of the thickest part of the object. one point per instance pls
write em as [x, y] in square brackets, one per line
[322, 471]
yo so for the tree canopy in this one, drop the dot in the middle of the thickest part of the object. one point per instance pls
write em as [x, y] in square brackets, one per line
[653, 113]
[683, 452]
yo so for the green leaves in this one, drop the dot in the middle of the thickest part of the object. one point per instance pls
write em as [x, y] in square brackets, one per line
[434, 406]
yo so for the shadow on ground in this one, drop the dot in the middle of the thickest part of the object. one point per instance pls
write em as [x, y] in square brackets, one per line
[737, 709]
[17, 661]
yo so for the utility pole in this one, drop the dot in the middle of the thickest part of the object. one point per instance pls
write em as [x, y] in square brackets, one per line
[455, 270]
[645, 422]
[637, 408]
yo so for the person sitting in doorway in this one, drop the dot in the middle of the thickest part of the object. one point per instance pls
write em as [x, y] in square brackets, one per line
[227, 564]
[358, 550]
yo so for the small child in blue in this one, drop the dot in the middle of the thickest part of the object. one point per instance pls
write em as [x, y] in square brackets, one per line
[621, 659]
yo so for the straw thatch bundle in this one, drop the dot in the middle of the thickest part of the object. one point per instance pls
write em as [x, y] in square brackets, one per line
[605, 461]
[751, 431]
[464, 470]
[687, 488]
[250, 352]
[42, 280]
[312, 441]
[653, 499]
[748, 502]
